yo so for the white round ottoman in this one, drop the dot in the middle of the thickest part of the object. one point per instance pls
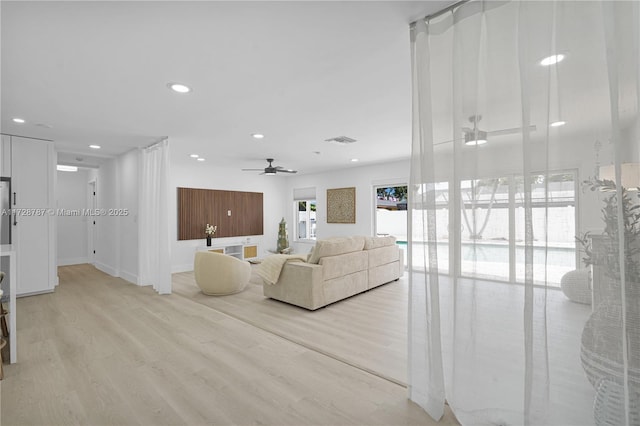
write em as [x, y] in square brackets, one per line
[576, 285]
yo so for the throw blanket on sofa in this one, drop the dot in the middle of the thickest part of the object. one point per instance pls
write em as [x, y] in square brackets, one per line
[271, 266]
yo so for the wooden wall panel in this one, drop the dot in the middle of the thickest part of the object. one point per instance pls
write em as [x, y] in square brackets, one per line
[221, 203]
[254, 218]
[197, 207]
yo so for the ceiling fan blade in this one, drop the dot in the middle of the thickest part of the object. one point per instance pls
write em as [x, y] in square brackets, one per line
[513, 130]
[270, 169]
[448, 142]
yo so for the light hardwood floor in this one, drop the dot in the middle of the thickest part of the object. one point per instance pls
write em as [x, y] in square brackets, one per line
[368, 331]
[101, 351]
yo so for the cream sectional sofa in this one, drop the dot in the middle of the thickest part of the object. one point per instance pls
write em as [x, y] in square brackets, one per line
[338, 268]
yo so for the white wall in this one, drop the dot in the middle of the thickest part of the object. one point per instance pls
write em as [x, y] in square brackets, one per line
[117, 233]
[129, 167]
[187, 173]
[71, 194]
[363, 178]
[107, 232]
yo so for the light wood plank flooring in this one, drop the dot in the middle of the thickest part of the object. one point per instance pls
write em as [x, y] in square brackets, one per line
[100, 351]
[368, 331]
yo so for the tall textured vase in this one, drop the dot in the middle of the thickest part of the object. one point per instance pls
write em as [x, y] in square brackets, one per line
[602, 354]
[208, 241]
[283, 238]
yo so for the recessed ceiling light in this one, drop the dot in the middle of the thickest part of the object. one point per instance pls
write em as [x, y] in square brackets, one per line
[258, 135]
[553, 59]
[179, 87]
[194, 156]
[94, 146]
[558, 123]
[316, 152]
[354, 160]
[18, 120]
[63, 168]
[200, 159]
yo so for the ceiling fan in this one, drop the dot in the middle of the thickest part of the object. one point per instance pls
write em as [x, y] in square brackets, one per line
[474, 136]
[271, 169]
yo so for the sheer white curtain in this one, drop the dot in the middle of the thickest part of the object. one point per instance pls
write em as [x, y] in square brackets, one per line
[508, 166]
[154, 240]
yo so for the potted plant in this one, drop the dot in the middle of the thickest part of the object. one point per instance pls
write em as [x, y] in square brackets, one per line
[610, 259]
[210, 231]
[602, 338]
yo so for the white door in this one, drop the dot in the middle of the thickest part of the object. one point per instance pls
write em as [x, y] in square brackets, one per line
[91, 222]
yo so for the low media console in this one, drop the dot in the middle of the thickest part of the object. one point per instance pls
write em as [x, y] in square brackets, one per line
[238, 250]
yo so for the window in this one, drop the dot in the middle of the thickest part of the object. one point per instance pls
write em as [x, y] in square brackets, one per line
[306, 219]
[556, 240]
[484, 236]
[440, 193]
[391, 214]
[493, 227]
[304, 213]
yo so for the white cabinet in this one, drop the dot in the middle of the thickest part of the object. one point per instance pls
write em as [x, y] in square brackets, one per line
[30, 162]
[32, 175]
[5, 156]
[240, 251]
[234, 250]
[32, 255]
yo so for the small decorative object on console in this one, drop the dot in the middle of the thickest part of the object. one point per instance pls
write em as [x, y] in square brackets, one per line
[283, 238]
[210, 231]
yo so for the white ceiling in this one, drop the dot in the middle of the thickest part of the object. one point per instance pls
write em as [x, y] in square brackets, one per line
[301, 72]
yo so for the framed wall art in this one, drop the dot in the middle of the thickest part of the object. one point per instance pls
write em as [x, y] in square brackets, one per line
[341, 205]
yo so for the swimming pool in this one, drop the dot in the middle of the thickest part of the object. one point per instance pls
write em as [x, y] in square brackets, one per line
[491, 260]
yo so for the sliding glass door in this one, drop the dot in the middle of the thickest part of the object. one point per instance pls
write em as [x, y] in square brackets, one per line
[554, 227]
[492, 231]
[485, 208]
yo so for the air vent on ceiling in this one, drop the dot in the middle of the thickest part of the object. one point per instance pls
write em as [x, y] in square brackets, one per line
[342, 140]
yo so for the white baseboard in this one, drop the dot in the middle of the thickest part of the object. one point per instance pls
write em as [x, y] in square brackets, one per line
[34, 293]
[107, 269]
[182, 268]
[128, 276]
[73, 261]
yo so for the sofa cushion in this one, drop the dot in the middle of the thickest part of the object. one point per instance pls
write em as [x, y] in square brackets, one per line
[344, 264]
[383, 255]
[344, 286]
[383, 274]
[375, 242]
[335, 246]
